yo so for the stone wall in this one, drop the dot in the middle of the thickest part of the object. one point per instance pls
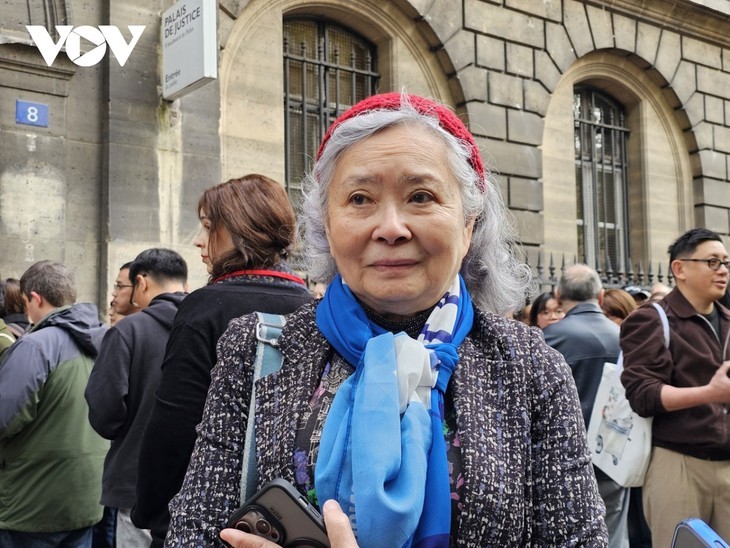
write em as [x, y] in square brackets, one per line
[119, 169]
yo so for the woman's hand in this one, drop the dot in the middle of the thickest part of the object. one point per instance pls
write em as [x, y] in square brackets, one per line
[338, 526]
[338, 530]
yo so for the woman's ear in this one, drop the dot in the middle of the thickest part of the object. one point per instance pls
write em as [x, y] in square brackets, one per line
[468, 232]
[326, 225]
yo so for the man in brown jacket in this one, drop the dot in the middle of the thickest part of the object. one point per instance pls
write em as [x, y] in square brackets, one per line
[686, 388]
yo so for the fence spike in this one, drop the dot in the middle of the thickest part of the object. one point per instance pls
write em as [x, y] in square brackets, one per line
[609, 272]
[551, 268]
[630, 273]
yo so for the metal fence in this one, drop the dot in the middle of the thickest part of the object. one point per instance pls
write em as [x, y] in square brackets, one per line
[548, 272]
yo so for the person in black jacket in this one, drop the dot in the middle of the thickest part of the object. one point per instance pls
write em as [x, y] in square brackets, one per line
[121, 388]
[248, 226]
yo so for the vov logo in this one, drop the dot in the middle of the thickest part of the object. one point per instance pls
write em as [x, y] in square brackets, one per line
[101, 37]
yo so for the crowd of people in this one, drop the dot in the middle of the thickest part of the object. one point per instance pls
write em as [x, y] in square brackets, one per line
[591, 325]
[409, 406]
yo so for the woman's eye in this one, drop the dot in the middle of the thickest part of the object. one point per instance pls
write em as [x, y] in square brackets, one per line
[422, 197]
[358, 199]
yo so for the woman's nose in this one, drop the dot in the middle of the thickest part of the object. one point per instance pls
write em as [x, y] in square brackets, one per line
[392, 225]
[198, 241]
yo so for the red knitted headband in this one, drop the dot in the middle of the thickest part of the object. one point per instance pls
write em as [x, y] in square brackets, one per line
[447, 120]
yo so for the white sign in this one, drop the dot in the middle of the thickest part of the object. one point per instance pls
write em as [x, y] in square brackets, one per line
[189, 47]
[101, 37]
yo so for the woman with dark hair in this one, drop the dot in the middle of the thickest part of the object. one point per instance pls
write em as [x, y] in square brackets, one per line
[14, 312]
[545, 311]
[247, 223]
[247, 229]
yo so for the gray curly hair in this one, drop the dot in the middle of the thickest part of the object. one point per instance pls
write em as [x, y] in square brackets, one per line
[496, 280]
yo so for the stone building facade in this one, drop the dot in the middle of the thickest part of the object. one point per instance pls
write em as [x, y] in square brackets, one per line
[119, 169]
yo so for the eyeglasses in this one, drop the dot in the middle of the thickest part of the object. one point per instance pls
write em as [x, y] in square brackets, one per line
[713, 263]
[119, 286]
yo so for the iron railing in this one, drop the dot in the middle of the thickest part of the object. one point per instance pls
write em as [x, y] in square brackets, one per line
[548, 272]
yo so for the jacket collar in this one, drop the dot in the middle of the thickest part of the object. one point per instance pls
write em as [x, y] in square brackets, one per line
[684, 309]
[585, 308]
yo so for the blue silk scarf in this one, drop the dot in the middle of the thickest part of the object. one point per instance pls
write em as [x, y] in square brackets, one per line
[382, 455]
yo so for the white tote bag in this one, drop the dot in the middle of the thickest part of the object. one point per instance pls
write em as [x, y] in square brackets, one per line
[618, 438]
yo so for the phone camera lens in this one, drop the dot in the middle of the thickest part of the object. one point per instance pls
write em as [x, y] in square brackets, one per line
[263, 527]
[243, 526]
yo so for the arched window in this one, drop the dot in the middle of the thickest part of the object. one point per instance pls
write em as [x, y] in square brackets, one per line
[327, 69]
[601, 178]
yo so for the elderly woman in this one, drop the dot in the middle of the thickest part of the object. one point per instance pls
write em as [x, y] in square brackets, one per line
[404, 394]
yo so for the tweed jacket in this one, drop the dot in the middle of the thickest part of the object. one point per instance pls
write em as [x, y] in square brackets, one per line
[527, 471]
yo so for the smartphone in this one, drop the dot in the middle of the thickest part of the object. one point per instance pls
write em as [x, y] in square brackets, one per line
[279, 513]
[695, 533]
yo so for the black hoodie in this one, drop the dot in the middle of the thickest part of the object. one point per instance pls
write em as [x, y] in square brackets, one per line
[121, 391]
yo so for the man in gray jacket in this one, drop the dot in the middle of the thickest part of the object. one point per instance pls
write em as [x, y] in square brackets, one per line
[588, 339]
[121, 389]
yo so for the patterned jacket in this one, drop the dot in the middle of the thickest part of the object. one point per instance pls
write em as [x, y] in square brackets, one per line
[527, 471]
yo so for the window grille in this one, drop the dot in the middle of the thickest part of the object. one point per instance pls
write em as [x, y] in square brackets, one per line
[327, 69]
[601, 175]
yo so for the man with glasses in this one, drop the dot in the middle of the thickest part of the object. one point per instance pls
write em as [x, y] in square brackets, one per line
[686, 388]
[121, 304]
